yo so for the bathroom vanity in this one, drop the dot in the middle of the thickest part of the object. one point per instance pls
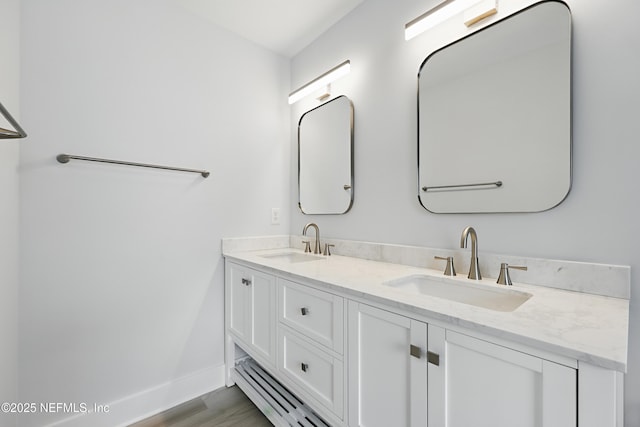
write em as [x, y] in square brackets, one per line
[385, 339]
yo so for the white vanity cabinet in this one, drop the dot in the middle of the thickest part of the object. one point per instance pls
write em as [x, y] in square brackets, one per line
[296, 334]
[357, 359]
[403, 372]
[478, 383]
[251, 310]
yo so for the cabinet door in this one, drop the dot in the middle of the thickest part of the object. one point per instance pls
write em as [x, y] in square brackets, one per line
[252, 302]
[387, 386]
[239, 300]
[481, 384]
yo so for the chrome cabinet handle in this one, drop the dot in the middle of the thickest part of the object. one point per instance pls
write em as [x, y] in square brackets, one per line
[433, 358]
[304, 367]
[246, 282]
[304, 311]
[415, 351]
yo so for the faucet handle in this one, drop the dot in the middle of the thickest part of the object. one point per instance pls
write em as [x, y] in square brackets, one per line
[327, 249]
[504, 278]
[449, 269]
[307, 246]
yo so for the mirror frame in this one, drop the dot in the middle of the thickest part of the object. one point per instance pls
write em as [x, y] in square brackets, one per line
[351, 160]
[568, 173]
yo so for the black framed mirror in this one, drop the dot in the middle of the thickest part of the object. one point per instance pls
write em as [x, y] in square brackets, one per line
[494, 116]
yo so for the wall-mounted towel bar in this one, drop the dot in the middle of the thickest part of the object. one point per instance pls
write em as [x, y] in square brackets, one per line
[445, 187]
[8, 133]
[64, 158]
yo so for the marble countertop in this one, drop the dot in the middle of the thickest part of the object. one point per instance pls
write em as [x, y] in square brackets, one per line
[580, 326]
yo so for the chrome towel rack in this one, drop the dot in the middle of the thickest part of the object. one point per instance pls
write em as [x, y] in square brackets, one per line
[64, 158]
[481, 184]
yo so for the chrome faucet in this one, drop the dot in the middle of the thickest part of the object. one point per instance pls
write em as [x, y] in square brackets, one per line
[474, 268]
[316, 247]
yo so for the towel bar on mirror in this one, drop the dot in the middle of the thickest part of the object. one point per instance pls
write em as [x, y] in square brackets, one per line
[445, 187]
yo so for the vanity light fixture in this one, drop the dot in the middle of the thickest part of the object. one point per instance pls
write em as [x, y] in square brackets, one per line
[321, 81]
[446, 10]
[18, 132]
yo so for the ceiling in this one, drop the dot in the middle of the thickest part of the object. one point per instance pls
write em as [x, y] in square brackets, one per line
[283, 26]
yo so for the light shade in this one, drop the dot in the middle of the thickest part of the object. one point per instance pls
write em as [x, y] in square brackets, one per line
[330, 76]
[436, 15]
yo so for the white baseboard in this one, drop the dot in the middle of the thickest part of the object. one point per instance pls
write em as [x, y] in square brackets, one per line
[139, 406]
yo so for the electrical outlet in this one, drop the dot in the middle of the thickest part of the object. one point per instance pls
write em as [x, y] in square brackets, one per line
[275, 216]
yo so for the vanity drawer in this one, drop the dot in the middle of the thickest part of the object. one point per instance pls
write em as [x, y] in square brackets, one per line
[315, 371]
[316, 314]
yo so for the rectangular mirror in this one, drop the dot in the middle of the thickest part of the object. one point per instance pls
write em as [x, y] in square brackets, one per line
[325, 158]
[494, 116]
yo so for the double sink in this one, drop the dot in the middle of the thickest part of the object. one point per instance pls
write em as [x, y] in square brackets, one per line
[482, 295]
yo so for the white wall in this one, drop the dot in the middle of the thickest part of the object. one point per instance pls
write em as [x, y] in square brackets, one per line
[9, 201]
[122, 277]
[598, 222]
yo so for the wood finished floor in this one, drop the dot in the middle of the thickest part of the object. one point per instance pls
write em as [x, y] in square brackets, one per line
[225, 407]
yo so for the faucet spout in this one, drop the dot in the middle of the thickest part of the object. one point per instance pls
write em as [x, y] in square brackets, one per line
[474, 267]
[316, 247]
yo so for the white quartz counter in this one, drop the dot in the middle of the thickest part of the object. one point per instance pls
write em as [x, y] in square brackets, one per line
[581, 326]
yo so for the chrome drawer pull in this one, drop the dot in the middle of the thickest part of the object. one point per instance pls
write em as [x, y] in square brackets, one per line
[304, 311]
[304, 367]
[246, 282]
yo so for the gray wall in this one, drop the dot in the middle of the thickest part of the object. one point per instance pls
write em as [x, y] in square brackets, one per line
[598, 222]
[122, 277]
[9, 200]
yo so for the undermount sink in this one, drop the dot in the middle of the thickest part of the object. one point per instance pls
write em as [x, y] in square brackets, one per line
[292, 257]
[473, 294]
